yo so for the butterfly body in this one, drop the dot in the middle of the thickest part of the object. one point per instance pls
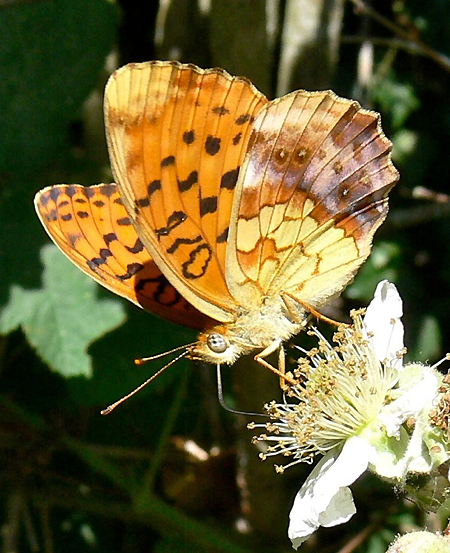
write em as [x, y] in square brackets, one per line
[231, 213]
[262, 328]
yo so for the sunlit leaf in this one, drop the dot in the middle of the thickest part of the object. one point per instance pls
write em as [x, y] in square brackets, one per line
[62, 318]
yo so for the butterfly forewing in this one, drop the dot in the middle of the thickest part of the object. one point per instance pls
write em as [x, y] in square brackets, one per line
[311, 194]
[177, 137]
[91, 226]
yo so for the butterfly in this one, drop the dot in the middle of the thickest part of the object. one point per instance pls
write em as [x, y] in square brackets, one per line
[231, 214]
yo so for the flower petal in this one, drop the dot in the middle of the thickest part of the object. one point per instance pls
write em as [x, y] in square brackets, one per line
[383, 320]
[419, 386]
[324, 499]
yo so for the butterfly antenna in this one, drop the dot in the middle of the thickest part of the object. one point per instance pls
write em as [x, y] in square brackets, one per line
[222, 400]
[142, 360]
[108, 410]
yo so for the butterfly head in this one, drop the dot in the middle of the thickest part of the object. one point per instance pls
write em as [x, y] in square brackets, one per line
[216, 346]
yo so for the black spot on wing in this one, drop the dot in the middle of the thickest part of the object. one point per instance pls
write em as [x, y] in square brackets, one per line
[212, 145]
[169, 160]
[220, 110]
[55, 193]
[188, 137]
[82, 214]
[180, 241]
[137, 248]
[107, 190]
[142, 202]
[237, 138]
[73, 238]
[229, 179]
[124, 222]
[153, 187]
[66, 217]
[71, 191]
[52, 215]
[132, 269]
[223, 236]
[208, 205]
[184, 185]
[105, 253]
[174, 219]
[95, 263]
[44, 199]
[110, 237]
[243, 119]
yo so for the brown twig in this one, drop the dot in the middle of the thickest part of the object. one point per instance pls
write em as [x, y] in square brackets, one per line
[397, 43]
[357, 540]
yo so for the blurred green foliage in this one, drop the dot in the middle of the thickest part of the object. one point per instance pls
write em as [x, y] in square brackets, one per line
[71, 480]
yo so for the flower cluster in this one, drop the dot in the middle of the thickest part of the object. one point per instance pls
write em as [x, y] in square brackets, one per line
[357, 404]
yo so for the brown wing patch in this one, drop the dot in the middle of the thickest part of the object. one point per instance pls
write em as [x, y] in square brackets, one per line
[177, 136]
[91, 226]
[313, 192]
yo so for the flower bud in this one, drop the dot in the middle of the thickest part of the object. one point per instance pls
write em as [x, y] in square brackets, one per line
[420, 542]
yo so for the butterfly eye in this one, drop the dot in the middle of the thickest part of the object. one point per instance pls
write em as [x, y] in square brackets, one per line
[217, 343]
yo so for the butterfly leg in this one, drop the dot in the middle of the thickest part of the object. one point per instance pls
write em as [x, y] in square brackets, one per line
[281, 371]
[309, 309]
[282, 368]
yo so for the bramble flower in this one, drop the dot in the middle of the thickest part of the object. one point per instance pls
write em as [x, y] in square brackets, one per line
[360, 407]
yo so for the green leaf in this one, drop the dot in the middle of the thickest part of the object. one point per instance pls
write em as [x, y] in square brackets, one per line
[63, 318]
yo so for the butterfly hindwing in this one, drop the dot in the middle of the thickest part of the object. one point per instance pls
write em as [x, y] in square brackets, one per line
[91, 226]
[177, 136]
[312, 191]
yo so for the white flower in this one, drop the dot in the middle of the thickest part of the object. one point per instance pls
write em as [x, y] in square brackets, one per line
[356, 404]
[325, 498]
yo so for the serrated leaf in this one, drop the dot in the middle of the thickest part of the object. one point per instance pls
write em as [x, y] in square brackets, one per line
[64, 317]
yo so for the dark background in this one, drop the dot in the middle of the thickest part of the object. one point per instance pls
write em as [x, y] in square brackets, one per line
[71, 480]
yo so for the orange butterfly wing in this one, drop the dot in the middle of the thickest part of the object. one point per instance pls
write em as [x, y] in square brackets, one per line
[177, 136]
[91, 226]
